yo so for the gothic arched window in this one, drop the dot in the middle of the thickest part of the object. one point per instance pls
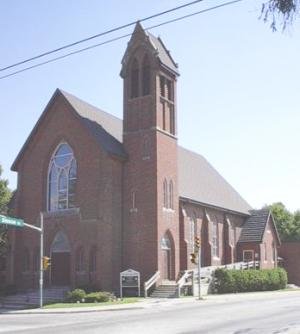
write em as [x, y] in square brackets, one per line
[146, 76]
[134, 77]
[62, 179]
[92, 260]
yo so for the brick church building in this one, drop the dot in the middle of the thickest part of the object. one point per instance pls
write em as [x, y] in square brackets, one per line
[119, 194]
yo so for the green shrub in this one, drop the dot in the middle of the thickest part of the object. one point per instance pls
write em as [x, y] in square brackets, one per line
[77, 295]
[98, 297]
[230, 281]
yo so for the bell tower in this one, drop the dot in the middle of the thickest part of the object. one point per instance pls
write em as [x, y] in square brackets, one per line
[150, 187]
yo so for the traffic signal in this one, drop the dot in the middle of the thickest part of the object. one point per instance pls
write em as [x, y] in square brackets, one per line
[193, 258]
[46, 262]
[197, 242]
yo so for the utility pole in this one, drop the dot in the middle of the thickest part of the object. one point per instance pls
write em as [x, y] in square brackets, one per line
[199, 274]
[41, 258]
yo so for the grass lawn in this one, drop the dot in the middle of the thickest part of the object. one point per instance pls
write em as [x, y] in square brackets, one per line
[71, 305]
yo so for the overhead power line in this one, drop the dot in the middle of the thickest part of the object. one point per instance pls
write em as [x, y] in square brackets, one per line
[120, 37]
[100, 34]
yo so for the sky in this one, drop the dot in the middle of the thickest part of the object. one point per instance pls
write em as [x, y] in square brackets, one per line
[238, 92]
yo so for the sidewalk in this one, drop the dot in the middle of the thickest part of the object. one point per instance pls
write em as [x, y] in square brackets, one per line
[152, 302]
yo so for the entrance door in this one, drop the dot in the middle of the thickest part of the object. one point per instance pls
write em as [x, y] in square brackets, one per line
[60, 269]
[166, 264]
[166, 258]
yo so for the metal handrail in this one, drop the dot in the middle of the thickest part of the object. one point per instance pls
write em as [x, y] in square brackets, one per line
[182, 281]
[152, 280]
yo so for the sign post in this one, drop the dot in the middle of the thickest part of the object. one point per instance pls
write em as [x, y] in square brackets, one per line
[16, 222]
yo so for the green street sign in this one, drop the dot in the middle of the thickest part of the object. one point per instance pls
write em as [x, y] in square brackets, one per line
[11, 221]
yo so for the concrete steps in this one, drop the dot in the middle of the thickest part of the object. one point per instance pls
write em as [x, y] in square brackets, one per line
[31, 298]
[165, 291]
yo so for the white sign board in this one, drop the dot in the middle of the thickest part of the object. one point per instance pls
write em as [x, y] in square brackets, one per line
[129, 279]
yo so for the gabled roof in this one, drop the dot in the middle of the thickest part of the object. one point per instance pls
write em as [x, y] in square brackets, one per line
[254, 227]
[198, 180]
[106, 129]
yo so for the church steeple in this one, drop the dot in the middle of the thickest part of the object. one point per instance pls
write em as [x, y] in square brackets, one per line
[150, 140]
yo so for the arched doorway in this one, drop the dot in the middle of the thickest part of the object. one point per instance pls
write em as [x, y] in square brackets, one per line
[60, 259]
[166, 258]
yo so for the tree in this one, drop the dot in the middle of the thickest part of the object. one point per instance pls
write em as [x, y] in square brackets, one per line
[5, 195]
[287, 223]
[283, 11]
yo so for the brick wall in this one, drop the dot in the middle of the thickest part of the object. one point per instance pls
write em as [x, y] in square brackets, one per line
[290, 252]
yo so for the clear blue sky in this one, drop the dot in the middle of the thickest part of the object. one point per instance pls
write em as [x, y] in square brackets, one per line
[238, 93]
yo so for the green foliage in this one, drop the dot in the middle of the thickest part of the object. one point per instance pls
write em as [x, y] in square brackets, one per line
[232, 281]
[99, 297]
[77, 295]
[5, 195]
[283, 11]
[287, 223]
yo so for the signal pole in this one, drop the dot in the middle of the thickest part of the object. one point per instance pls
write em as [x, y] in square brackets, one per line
[199, 273]
[41, 258]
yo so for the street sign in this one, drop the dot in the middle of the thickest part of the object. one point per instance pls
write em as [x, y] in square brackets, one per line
[11, 221]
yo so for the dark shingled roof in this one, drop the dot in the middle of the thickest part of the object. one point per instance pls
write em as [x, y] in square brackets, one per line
[163, 54]
[254, 227]
[204, 185]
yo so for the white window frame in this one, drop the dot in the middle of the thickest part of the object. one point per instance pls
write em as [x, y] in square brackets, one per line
[68, 179]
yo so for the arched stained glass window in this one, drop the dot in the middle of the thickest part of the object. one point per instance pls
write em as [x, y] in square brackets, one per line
[62, 179]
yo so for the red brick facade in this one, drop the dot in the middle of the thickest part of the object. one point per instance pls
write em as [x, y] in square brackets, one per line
[128, 211]
[290, 253]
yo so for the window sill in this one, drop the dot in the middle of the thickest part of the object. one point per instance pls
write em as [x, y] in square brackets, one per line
[62, 213]
[168, 210]
[133, 210]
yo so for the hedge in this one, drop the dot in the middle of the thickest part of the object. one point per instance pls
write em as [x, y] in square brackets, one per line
[79, 295]
[231, 281]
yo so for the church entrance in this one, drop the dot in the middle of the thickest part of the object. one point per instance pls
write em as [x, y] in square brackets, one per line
[166, 258]
[60, 260]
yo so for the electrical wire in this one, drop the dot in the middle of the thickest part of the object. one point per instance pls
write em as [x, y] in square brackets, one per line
[99, 35]
[120, 37]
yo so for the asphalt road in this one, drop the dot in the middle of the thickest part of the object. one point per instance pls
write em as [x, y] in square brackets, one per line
[262, 313]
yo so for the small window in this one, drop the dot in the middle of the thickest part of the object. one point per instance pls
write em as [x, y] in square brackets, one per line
[135, 79]
[248, 255]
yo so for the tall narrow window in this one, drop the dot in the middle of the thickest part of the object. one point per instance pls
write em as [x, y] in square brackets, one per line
[164, 115]
[165, 193]
[193, 233]
[171, 195]
[172, 119]
[26, 260]
[215, 239]
[134, 79]
[170, 90]
[146, 76]
[62, 179]
[162, 86]
[266, 253]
